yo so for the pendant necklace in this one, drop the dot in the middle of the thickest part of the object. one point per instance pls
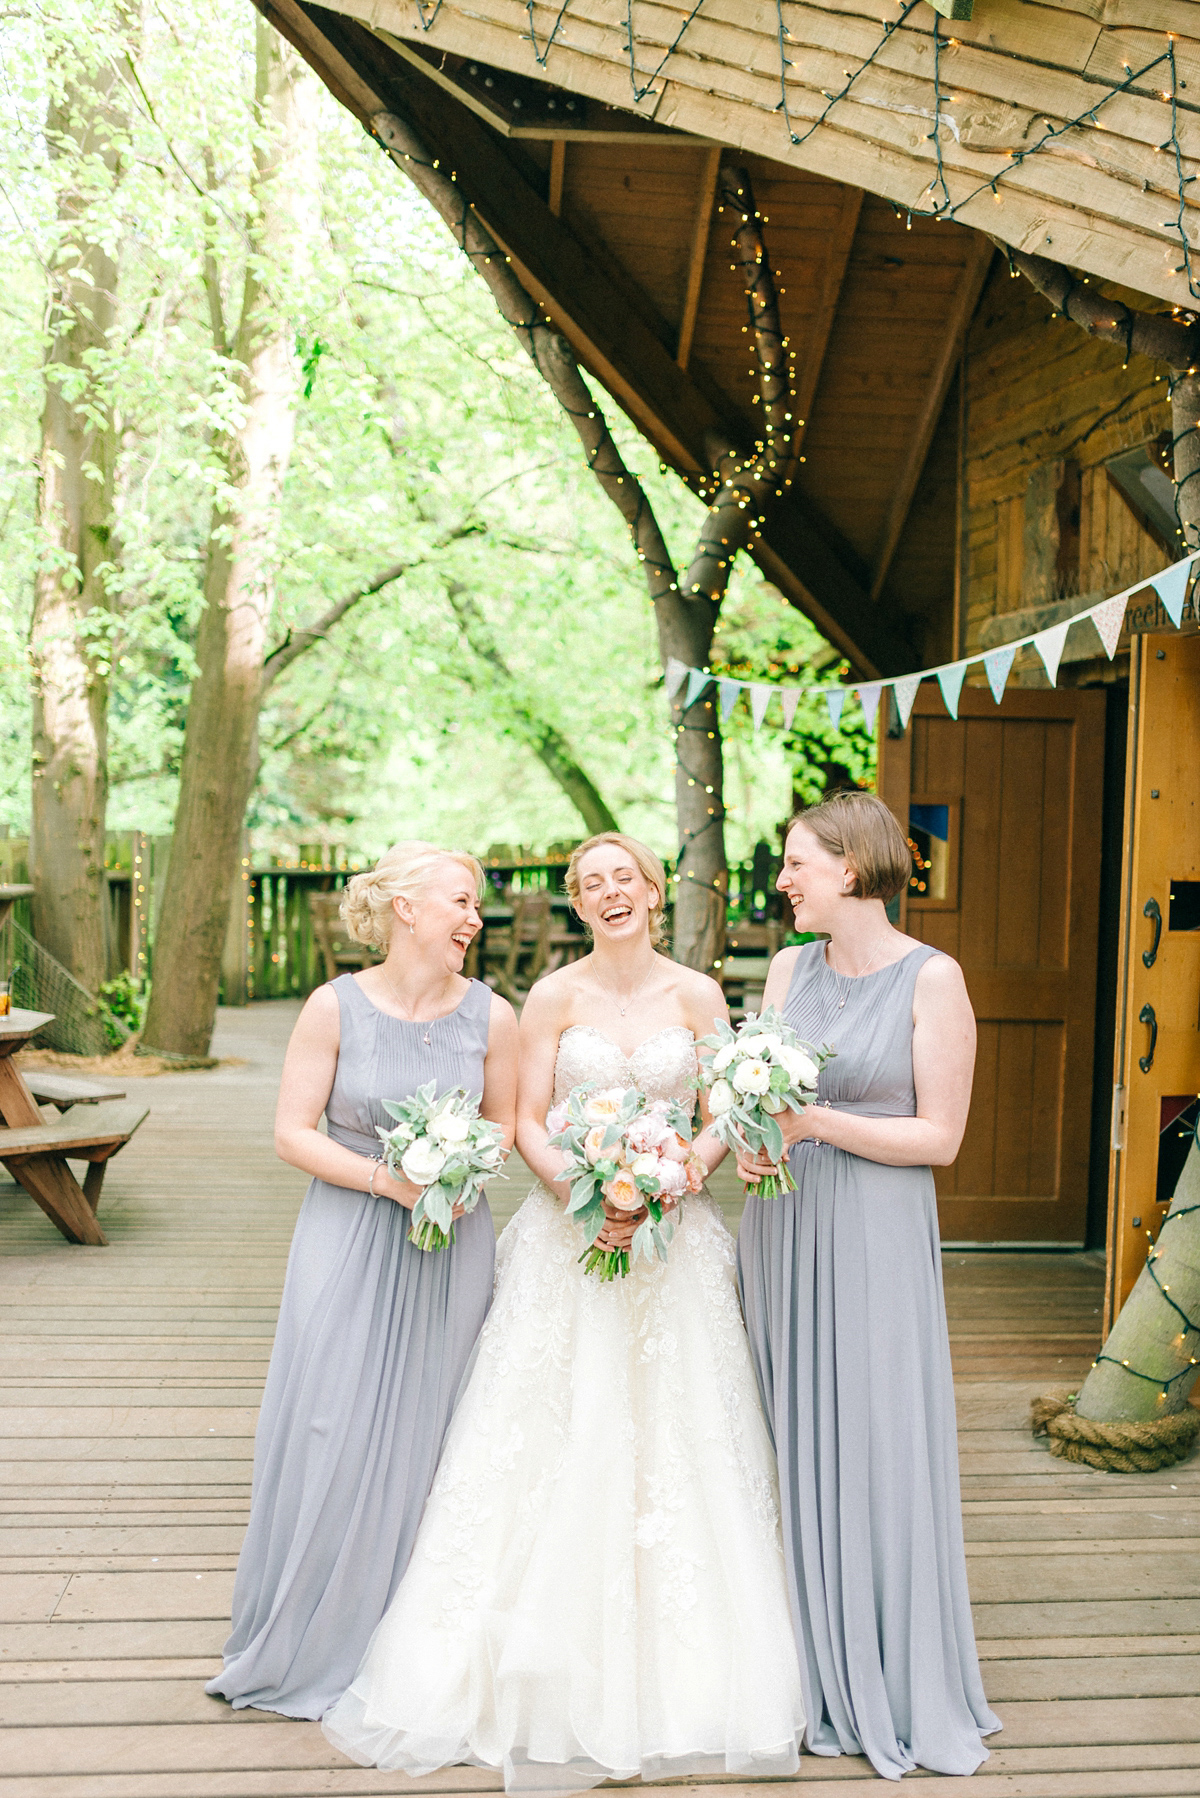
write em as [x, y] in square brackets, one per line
[410, 1019]
[633, 995]
[837, 979]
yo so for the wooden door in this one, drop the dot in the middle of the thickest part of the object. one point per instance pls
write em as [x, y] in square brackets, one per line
[1004, 806]
[1157, 1072]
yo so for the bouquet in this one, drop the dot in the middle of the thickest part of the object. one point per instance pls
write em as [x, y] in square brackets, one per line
[442, 1145]
[636, 1153]
[751, 1075]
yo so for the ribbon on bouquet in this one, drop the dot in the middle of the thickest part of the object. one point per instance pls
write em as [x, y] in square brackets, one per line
[1107, 617]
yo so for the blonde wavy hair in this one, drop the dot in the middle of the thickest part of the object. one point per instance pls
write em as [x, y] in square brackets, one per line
[647, 864]
[403, 872]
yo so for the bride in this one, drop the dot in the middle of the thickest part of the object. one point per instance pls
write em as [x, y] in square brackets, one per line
[597, 1588]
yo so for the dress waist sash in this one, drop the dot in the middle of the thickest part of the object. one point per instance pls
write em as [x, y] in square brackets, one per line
[358, 1140]
[863, 1108]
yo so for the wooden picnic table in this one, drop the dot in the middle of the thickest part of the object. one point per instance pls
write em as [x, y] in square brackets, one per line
[36, 1150]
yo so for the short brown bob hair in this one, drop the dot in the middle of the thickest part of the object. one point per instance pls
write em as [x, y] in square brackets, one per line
[859, 829]
[644, 859]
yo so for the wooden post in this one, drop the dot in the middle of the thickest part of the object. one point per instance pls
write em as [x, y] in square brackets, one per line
[235, 961]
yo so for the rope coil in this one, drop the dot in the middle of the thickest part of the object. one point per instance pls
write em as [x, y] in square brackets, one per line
[1115, 1447]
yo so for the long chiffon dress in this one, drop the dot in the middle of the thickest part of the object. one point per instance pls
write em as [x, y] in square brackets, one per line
[374, 1336]
[842, 1290]
[597, 1589]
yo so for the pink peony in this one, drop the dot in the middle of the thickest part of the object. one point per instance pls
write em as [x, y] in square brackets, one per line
[695, 1174]
[672, 1177]
[674, 1148]
[557, 1119]
[622, 1191]
[646, 1133]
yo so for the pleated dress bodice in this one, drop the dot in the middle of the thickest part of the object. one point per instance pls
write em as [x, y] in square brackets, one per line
[868, 1024]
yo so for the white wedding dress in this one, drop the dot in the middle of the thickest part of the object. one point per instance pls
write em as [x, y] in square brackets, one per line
[597, 1587]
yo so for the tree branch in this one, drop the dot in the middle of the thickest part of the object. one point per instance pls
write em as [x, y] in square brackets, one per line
[285, 653]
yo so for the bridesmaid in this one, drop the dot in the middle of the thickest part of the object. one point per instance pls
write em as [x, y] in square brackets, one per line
[374, 1335]
[842, 1289]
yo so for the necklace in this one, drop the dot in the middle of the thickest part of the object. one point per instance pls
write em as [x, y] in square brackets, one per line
[410, 1019]
[838, 978]
[633, 995]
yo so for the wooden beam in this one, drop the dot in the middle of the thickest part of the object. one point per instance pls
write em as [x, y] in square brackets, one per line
[966, 299]
[612, 327]
[558, 169]
[701, 228]
[833, 275]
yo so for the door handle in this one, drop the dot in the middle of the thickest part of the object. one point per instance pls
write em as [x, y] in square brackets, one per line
[1146, 1016]
[1151, 909]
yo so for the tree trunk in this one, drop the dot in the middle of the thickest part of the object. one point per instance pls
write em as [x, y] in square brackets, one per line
[77, 466]
[1150, 1335]
[220, 746]
[547, 743]
[741, 487]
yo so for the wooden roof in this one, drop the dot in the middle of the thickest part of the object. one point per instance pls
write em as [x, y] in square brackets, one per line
[606, 207]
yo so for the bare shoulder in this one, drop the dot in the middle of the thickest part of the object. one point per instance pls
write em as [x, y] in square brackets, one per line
[940, 979]
[783, 962]
[701, 998]
[548, 1002]
[502, 1021]
[321, 1009]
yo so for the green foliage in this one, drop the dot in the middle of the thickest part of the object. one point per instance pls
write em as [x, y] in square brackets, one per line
[125, 1000]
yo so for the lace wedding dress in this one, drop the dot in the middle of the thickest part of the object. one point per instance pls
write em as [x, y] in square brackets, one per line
[597, 1588]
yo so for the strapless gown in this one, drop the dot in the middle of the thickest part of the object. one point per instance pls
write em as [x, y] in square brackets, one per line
[597, 1589]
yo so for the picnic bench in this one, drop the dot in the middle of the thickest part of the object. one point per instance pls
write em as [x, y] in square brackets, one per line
[93, 1122]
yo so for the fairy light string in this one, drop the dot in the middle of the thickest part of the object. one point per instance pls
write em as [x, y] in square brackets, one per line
[1190, 1327]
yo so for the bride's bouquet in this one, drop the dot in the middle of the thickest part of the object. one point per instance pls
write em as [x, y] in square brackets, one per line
[752, 1074]
[636, 1153]
[442, 1145]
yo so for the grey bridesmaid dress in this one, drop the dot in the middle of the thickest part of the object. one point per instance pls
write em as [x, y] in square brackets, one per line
[842, 1291]
[373, 1339]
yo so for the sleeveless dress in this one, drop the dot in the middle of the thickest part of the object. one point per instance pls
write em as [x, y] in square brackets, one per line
[372, 1341]
[842, 1288]
[597, 1589]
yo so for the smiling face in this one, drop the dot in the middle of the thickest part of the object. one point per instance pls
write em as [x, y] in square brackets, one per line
[444, 919]
[615, 898]
[815, 881]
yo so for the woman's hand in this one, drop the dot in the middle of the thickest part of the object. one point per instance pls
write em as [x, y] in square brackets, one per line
[797, 1126]
[618, 1232]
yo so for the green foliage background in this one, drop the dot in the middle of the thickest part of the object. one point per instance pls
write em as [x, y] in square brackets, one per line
[424, 436]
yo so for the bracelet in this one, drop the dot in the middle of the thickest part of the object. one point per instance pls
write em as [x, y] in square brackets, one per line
[378, 1160]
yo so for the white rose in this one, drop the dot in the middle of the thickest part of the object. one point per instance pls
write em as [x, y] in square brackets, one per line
[447, 1126]
[800, 1068]
[752, 1077]
[423, 1162]
[723, 1057]
[764, 1044]
[644, 1167]
[721, 1098]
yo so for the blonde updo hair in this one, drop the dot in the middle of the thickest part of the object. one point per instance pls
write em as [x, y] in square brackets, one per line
[648, 866]
[403, 872]
[859, 829]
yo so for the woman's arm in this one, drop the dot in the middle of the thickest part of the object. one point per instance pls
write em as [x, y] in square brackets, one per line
[943, 1068]
[499, 1101]
[706, 1007]
[308, 1072]
[541, 1026]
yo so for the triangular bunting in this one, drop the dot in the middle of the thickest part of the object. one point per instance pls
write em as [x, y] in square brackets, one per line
[997, 665]
[905, 690]
[697, 681]
[791, 699]
[1109, 619]
[835, 699]
[729, 690]
[1171, 587]
[950, 680]
[760, 699]
[1049, 645]
[868, 698]
[676, 674]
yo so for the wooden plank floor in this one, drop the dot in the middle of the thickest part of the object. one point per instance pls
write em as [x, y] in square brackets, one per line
[130, 1377]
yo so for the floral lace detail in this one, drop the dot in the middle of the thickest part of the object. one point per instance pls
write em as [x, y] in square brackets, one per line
[606, 1498]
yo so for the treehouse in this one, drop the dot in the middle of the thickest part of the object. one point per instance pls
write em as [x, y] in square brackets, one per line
[964, 465]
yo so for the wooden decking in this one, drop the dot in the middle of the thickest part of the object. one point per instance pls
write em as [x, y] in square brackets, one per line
[131, 1376]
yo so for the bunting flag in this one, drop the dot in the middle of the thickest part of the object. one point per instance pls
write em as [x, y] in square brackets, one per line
[1050, 644]
[1108, 618]
[950, 680]
[697, 681]
[1171, 587]
[868, 698]
[906, 689]
[677, 672]
[997, 665]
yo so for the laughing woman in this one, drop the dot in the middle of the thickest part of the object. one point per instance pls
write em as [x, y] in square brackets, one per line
[374, 1334]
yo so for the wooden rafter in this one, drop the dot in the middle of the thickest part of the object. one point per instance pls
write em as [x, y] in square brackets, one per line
[701, 229]
[558, 170]
[611, 325]
[833, 275]
[966, 299]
